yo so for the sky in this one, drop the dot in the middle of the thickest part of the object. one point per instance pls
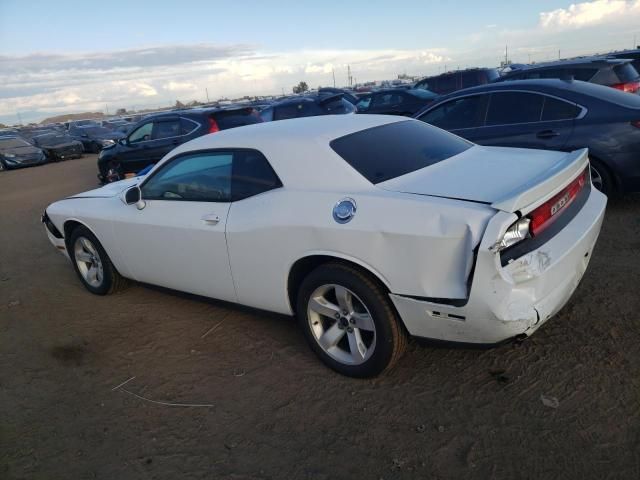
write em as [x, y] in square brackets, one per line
[67, 56]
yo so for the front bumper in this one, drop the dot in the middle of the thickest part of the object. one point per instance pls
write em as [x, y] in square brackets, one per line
[505, 302]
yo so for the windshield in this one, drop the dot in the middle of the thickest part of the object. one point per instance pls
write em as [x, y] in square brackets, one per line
[13, 143]
[389, 151]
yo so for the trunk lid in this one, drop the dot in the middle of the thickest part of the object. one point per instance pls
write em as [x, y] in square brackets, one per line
[508, 179]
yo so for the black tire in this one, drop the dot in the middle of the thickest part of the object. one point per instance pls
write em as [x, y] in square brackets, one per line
[390, 336]
[111, 280]
[602, 178]
[2, 167]
[95, 148]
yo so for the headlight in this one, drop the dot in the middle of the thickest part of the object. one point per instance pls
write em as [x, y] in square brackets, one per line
[106, 143]
[514, 234]
[9, 155]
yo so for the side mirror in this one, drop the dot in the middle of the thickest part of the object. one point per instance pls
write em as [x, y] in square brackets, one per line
[133, 196]
[123, 141]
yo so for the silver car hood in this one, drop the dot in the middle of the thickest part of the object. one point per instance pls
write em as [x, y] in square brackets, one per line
[110, 189]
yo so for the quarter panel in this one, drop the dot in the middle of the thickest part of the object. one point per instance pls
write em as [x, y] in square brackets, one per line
[418, 245]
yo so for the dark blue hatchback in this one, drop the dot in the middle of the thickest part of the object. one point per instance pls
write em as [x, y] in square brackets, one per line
[552, 115]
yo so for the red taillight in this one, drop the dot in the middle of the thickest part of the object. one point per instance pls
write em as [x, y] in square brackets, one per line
[213, 125]
[629, 87]
[549, 211]
[636, 123]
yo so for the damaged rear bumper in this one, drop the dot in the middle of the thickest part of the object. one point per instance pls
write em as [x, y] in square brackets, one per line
[515, 299]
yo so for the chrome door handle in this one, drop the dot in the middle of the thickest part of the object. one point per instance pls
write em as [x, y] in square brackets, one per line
[211, 219]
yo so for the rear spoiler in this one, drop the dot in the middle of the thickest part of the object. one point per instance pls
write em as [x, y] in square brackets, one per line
[546, 184]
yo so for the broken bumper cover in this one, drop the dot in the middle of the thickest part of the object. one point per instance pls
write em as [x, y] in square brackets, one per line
[505, 302]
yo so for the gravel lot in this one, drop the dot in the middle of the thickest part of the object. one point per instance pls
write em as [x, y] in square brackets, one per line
[563, 404]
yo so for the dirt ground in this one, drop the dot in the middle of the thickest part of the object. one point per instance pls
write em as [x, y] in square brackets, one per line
[271, 409]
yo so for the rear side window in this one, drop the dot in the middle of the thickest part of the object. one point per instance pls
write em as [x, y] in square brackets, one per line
[389, 151]
[555, 109]
[187, 126]
[456, 114]
[582, 74]
[514, 107]
[236, 118]
[626, 73]
[337, 106]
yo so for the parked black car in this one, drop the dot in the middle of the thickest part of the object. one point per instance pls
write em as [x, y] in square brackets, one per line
[633, 55]
[552, 115]
[58, 146]
[451, 81]
[307, 106]
[346, 94]
[16, 152]
[611, 72]
[393, 101]
[156, 135]
[93, 138]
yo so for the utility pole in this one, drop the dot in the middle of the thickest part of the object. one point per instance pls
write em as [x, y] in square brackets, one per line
[506, 54]
[635, 45]
[349, 75]
[558, 54]
[333, 72]
[206, 90]
[19, 118]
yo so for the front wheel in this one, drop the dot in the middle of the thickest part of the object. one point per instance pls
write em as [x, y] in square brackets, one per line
[92, 264]
[349, 321]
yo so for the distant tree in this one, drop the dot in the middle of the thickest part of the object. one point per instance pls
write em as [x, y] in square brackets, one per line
[301, 87]
[2, 125]
[121, 111]
[179, 104]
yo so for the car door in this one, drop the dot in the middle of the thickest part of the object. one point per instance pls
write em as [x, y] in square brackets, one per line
[135, 152]
[461, 115]
[177, 239]
[518, 119]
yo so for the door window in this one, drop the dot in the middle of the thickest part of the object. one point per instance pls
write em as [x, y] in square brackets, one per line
[252, 174]
[166, 129]
[142, 133]
[200, 177]
[460, 113]
[507, 108]
[212, 177]
[364, 103]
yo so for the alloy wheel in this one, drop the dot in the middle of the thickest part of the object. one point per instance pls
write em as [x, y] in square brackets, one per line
[88, 261]
[341, 324]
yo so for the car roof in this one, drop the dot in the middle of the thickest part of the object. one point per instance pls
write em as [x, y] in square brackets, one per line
[581, 62]
[298, 149]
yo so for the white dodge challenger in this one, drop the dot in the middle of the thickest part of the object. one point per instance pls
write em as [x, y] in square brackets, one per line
[368, 228]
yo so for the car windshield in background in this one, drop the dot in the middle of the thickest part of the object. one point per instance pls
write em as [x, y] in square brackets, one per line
[338, 106]
[389, 151]
[13, 143]
[96, 130]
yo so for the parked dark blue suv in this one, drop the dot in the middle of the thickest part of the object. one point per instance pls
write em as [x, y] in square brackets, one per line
[553, 115]
[156, 135]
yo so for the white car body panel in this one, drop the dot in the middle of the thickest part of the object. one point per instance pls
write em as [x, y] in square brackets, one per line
[430, 252]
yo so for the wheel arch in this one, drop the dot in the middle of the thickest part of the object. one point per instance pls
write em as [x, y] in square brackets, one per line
[305, 265]
[70, 225]
[601, 163]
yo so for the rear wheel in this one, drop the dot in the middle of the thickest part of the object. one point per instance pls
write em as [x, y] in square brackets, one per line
[2, 167]
[349, 321]
[92, 264]
[601, 178]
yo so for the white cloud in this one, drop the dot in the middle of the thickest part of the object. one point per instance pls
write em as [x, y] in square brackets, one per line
[596, 12]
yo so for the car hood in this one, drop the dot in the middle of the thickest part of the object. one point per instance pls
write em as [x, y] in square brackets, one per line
[109, 190]
[27, 150]
[488, 175]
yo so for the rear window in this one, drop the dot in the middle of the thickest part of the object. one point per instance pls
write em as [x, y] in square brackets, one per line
[389, 151]
[236, 118]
